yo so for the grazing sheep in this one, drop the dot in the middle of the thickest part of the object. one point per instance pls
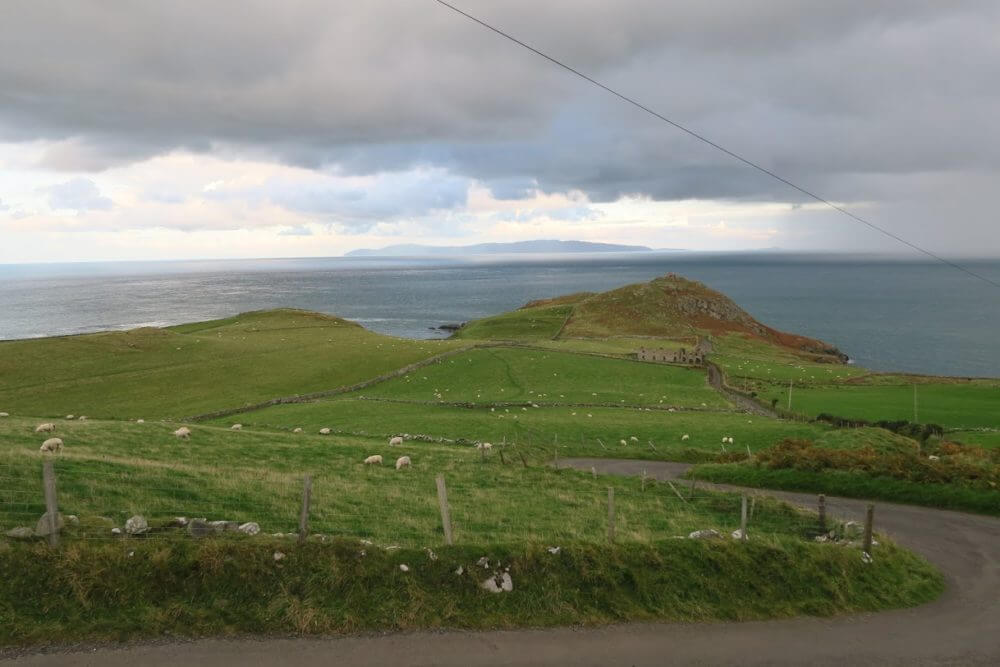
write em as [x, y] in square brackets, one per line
[82, 418]
[374, 460]
[183, 432]
[51, 445]
[395, 440]
[731, 441]
[70, 416]
[623, 443]
[933, 457]
[324, 431]
[725, 439]
[140, 421]
[47, 427]
[236, 427]
[4, 414]
[296, 430]
[634, 439]
[484, 446]
[402, 462]
[685, 437]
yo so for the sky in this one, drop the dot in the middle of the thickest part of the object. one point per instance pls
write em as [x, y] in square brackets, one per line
[261, 129]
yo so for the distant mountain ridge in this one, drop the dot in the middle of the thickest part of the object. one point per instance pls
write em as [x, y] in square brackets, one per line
[539, 246]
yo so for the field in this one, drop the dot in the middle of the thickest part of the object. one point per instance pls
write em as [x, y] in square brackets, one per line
[951, 405]
[512, 375]
[540, 397]
[197, 368]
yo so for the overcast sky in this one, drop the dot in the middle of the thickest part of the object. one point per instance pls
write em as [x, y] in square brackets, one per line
[250, 129]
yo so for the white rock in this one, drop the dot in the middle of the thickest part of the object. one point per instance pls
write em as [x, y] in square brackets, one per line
[933, 457]
[499, 583]
[278, 555]
[136, 525]
[42, 527]
[459, 570]
[866, 557]
[708, 534]
[737, 534]
[483, 562]
[404, 567]
[250, 528]
[21, 533]
[430, 553]
[116, 531]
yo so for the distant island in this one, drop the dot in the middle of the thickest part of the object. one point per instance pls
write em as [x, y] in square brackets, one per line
[540, 246]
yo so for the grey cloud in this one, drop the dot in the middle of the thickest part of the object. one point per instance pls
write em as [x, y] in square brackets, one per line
[79, 194]
[858, 99]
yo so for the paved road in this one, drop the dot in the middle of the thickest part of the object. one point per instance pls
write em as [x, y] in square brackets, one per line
[961, 628]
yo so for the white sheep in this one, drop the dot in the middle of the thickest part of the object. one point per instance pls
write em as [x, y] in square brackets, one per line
[70, 416]
[236, 427]
[484, 446]
[634, 439]
[82, 418]
[183, 432]
[47, 427]
[296, 430]
[395, 440]
[685, 437]
[623, 443]
[731, 441]
[4, 414]
[933, 457]
[51, 445]
[374, 460]
[324, 431]
[402, 462]
[140, 421]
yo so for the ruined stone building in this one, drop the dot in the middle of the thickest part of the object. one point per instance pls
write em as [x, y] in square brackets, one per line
[678, 356]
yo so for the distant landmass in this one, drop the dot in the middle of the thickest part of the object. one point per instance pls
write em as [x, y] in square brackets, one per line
[541, 246]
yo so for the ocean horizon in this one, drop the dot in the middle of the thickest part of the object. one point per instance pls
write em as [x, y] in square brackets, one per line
[886, 313]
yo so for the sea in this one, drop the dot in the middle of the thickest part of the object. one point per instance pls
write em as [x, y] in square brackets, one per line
[886, 313]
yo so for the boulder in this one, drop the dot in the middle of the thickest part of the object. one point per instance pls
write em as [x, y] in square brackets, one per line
[222, 526]
[136, 525]
[498, 583]
[708, 534]
[21, 533]
[42, 528]
[250, 528]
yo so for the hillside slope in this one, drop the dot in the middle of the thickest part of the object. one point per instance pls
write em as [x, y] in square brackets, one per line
[667, 307]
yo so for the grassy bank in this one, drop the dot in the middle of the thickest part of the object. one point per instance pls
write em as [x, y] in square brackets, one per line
[853, 485]
[144, 589]
[197, 368]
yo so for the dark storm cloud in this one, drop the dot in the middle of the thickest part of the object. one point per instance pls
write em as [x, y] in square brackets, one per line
[848, 97]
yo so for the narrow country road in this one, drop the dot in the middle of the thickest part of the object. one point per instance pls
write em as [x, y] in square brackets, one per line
[961, 628]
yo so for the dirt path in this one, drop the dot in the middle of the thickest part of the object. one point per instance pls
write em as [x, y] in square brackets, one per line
[961, 628]
[717, 381]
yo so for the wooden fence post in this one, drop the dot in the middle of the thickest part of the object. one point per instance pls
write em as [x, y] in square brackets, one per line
[611, 514]
[445, 515]
[743, 518]
[822, 513]
[51, 505]
[307, 484]
[869, 520]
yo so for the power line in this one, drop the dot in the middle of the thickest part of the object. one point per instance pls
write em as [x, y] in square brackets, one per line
[723, 149]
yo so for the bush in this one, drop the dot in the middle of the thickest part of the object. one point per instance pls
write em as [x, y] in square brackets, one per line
[955, 464]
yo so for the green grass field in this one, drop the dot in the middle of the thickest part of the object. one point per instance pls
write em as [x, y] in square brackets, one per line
[509, 375]
[526, 324]
[951, 405]
[197, 368]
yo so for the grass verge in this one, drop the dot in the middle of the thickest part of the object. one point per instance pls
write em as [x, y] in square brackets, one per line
[220, 587]
[853, 485]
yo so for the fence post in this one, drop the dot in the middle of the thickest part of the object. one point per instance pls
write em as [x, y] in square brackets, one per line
[307, 483]
[743, 518]
[611, 514]
[51, 505]
[869, 519]
[443, 502]
[822, 513]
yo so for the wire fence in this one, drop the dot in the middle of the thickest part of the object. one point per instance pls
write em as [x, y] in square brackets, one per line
[99, 500]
